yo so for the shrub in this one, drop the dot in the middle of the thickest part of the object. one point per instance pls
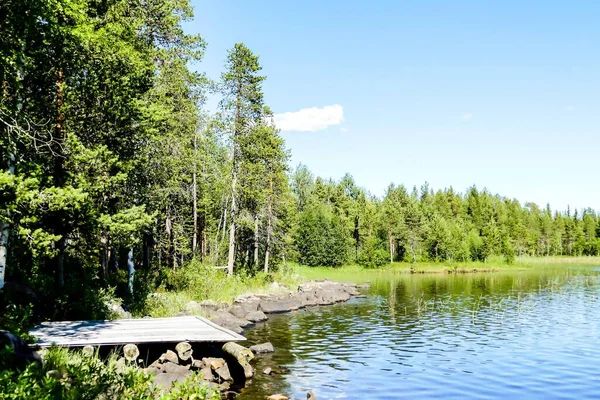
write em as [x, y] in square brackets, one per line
[322, 238]
[73, 375]
[373, 255]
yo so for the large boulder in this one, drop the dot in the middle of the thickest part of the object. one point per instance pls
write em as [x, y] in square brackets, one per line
[309, 298]
[331, 296]
[214, 363]
[166, 380]
[262, 348]
[205, 307]
[22, 354]
[275, 305]
[169, 356]
[170, 368]
[229, 321]
[256, 316]
[117, 310]
[223, 373]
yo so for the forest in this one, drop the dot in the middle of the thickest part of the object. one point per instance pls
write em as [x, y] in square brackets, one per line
[114, 173]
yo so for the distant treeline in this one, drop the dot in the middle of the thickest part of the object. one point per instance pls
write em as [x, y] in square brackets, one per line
[113, 173]
[340, 222]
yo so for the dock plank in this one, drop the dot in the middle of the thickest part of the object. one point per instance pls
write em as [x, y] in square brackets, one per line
[123, 331]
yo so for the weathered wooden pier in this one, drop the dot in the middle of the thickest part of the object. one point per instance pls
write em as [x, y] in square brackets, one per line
[137, 331]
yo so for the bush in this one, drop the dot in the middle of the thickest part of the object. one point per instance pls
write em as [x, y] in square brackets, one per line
[73, 375]
[373, 255]
[322, 238]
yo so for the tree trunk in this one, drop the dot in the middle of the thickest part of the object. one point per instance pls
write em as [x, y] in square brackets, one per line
[391, 249]
[104, 257]
[195, 196]
[59, 181]
[5, 228]
[204, 247]
[131, 270]
[231, 255]
[256, 241]
[269, 216]
[170, 249]
[147, 244]
[60, 263]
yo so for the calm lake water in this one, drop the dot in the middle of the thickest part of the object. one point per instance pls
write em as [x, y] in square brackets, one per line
[530, 334]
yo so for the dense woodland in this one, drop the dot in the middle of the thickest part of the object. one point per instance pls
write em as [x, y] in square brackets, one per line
[114, 173]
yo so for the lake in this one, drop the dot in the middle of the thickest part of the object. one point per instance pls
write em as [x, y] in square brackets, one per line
[523, 334]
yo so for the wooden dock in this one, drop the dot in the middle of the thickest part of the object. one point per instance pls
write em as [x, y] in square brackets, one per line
[137, 331]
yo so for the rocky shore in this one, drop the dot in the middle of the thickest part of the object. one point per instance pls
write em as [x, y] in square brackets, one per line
[221, 366]
[231, 364]
[247, 310]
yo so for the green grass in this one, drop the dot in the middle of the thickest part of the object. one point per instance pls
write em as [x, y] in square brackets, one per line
[358, 274]
[196, 282]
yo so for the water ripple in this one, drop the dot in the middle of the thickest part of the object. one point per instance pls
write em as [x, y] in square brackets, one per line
[477, 337]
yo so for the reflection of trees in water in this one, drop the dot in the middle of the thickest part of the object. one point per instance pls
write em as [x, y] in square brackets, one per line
[324, 342]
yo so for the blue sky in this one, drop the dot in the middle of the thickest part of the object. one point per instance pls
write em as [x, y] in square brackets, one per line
[500, 94]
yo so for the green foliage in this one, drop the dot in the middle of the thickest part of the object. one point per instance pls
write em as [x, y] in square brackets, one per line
[373, 254]
[73, 375]
[322, 239]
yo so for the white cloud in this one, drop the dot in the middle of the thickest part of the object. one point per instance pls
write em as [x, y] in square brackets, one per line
[343, 130]
[467, 117]
[570, 108]
[310, 119]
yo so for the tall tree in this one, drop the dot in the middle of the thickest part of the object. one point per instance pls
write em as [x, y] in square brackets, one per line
[243, 105]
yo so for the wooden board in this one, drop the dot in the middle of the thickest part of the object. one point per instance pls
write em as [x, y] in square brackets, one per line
[123, 331]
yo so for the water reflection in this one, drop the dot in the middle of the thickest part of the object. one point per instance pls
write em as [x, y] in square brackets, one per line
[524, 334]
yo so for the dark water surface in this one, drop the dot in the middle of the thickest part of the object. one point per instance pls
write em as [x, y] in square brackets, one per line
[528, 335]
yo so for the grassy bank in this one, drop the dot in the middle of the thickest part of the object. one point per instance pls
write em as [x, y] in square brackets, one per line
[196, 282]
[358, 274]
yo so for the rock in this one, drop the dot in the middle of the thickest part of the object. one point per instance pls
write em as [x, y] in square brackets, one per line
[131, 352]
[280, 305]
[170, 368]
[331, 296]
[223, 387]
[169, 356]
[184, 351]
[248, 302]
[256, 316]
[309, 299]
[207, 374]
[262, 348]
[229, 321]
[214, 363]
[267, 371]
[22, 354]
[198, 364]
[88, 351]
[351, 290]
[310, 395]
[277, 397]
[118, 311]
[365, 285]
[223, 373]
[237, 311]
[204, 308]
[166, 380]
